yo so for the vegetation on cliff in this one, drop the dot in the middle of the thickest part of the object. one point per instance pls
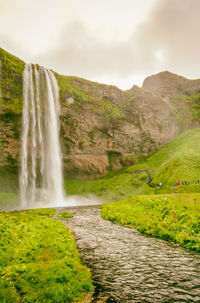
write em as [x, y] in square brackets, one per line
[73, 87]
[11, 83]
[169, 217]
[38, 260]
[193, 105]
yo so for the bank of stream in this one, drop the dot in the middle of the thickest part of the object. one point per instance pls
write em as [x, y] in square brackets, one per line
[129, 267]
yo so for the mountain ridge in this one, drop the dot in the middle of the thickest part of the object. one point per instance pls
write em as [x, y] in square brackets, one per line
[178, 84]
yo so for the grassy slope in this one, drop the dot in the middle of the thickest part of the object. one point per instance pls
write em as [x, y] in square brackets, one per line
[39, 261]
[180, 159]
[169, 217]
[11, 83]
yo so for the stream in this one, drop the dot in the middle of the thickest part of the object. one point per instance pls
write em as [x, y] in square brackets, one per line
[129, 267]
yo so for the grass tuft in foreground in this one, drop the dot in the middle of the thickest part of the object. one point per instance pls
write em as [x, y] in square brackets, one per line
[169, 217]
[38, 260]
[65, 215]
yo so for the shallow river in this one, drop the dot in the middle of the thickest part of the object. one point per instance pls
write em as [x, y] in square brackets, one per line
[129, 267]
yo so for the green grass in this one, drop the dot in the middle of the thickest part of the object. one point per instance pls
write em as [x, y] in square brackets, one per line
[180, 159]
[11, 83]
[169, 217]
[111, 110]
[38, 260]
[188, 108]
[110, 189]
[65, 215]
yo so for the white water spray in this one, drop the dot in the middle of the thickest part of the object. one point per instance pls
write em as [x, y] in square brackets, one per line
[41, 177]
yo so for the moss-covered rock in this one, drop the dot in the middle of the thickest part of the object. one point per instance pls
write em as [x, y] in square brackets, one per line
[11, 83]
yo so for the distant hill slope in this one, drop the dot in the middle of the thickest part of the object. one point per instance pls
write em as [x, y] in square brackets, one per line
[178, 160]
[102, 127]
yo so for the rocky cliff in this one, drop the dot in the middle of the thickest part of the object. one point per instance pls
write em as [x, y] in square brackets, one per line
[102, 127]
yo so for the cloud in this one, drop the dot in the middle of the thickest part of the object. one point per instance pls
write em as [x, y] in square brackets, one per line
[173, 28]
[79, 52]
[169, 39]
[10, 6]
[9, 43]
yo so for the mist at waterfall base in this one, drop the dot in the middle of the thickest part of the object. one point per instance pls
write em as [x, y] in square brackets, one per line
[41, 178]
[68, 201]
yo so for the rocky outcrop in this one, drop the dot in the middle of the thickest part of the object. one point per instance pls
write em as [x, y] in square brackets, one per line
[183, 95]
[99, 121]
[169, 84]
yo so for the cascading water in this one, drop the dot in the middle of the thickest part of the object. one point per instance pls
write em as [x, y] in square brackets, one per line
[41, 165]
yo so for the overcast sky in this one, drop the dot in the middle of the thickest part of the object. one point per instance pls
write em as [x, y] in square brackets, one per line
[117, 42]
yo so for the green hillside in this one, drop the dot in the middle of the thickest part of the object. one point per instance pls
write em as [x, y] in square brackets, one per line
[180, 159]
[11, 83]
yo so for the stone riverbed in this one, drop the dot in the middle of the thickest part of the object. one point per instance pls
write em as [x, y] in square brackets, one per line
[129, 267]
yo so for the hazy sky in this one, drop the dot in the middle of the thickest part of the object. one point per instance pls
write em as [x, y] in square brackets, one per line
[117, 42]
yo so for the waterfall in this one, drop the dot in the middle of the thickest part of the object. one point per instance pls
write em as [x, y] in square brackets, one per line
[40, 177]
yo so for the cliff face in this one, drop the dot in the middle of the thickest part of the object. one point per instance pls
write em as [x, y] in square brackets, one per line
[181, 94]
[102, 127]
[97, 119]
